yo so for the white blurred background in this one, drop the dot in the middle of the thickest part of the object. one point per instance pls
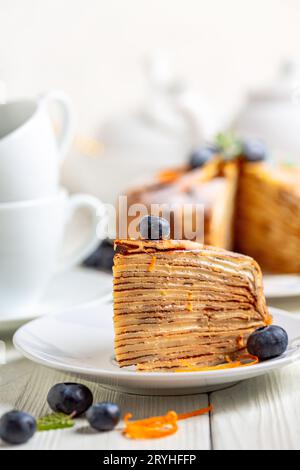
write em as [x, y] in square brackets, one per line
[94, 50]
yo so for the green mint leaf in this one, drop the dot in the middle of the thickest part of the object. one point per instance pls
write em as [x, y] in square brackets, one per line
[54, 421]
[230, 146]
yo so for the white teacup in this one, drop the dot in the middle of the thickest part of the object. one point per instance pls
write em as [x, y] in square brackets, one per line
[31, 242]
[30, 152]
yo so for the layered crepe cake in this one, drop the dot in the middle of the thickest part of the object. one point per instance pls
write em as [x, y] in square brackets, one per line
[251, 208]
[213, 186]
[179, 304]
[267, 224]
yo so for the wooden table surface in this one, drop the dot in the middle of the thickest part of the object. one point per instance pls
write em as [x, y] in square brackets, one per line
[261, 413]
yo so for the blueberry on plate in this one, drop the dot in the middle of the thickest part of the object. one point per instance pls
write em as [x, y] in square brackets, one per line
[102, 258]
[154, 228]
[70, 398]
[268, 342]
[202, 155]
[17, 427]
[254, 150]
[104, 416]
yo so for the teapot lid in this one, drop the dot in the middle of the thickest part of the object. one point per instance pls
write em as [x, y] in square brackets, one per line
[172, 105]
[284, 86]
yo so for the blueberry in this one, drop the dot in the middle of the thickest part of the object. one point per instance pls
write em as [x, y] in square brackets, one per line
[104, 416]
[202, 155]
[70, 398]
[154, 228]
[255, 150]
[267, 342]
[102, 258]
[17, 427]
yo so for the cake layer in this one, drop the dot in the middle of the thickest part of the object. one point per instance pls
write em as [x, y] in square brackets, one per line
[178, 300]
[212, 186]
[253, 208]
[268, 217]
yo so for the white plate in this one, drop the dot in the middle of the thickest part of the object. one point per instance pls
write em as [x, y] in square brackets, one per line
[66, 290]
[81, 342]
[281, 285]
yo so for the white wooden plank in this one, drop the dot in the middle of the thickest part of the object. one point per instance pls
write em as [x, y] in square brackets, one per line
[262, 413]
[30, 392]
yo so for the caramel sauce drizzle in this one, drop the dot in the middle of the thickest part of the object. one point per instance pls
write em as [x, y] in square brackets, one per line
[269, 319]
[152, 264]
[169, 176]
[250, 361]
[190, 303]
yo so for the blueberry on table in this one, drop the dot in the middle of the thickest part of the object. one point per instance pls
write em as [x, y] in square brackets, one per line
[202, 155]
[268, 342]
[102, 258]
[17, 427]
[70, 398]
[104, 416]
[154, 228]
[254, 150]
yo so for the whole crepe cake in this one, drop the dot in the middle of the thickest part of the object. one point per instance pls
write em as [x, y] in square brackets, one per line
[179, 304]
[251, 206]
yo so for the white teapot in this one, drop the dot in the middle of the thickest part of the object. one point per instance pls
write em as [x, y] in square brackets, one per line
[161, 133]
[273, 114]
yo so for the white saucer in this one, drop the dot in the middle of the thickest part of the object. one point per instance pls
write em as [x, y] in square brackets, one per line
[81, 342]
[71, 289]
[277, 286]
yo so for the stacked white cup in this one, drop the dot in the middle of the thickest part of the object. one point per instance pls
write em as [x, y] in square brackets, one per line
[34, 209]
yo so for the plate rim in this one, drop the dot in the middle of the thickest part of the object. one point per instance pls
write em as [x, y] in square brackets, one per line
[237, 373]
[81, 270]
[281, 294]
